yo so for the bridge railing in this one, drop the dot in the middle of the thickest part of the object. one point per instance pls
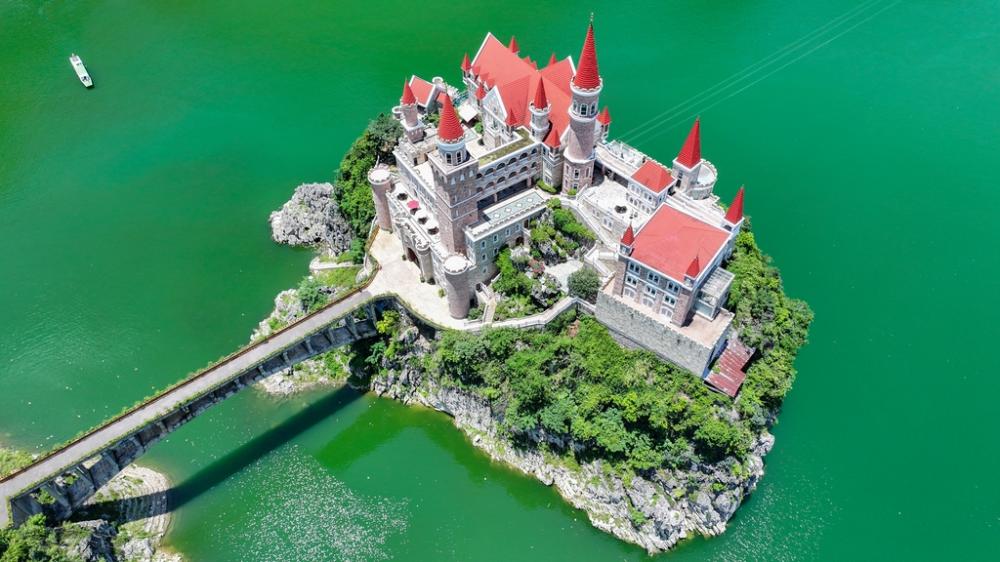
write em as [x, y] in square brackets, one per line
[197, 375]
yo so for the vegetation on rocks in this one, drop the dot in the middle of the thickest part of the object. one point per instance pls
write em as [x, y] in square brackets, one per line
[11, 460]
[522, 289]
[32, 541]
[351, 190]
[557, 234]
[318, 289]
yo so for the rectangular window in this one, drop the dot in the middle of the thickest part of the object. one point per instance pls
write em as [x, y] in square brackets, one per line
[482, 244]
[653, 277]
[633, 267]
[649, 290]
[665, 309]
[630, 280]
[629, 292]
[496, 237]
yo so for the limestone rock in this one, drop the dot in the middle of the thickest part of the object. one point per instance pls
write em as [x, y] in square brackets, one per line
[92, 541]
[310, 218]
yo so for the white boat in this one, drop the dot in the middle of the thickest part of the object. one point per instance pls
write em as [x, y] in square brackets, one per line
[81, 71]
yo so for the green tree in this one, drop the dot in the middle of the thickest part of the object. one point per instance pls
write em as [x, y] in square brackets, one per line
[584, 283]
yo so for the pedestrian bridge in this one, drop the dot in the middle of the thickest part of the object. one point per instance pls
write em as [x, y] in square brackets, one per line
[63, 480]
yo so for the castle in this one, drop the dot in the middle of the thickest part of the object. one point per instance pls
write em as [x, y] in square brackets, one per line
[464, 188]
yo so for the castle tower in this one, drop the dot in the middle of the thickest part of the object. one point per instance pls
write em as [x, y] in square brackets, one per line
[381, 182]
[624, 250]
[586, 88]
[451, 136]
[552, 160]
[539, 112]
[424, 260]
[687, 165]
[685, 295]
[411, 121]
[456, 273]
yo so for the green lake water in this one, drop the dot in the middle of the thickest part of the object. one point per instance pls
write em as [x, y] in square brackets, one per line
[134, 248]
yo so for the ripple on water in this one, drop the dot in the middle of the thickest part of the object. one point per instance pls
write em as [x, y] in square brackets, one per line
[306, 514]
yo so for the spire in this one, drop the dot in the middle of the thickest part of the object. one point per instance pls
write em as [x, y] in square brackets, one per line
[480, 92]
[735, 212]
[693, 269]
[629, 237]
[449, 129]
[587, 77]
[541, 102]
[466, 65]
[552, 59]
[511, 119]
[604, 117]
[408, 97]
[513, 46]
[690, 153]
[552, 140]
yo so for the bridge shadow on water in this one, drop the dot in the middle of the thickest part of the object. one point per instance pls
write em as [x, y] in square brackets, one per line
[229, 465]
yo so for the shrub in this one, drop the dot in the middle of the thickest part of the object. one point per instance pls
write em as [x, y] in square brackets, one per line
[584, 283]
[546, 188]
[351, 190]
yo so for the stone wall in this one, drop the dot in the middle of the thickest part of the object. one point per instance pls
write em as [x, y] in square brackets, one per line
[632, 327]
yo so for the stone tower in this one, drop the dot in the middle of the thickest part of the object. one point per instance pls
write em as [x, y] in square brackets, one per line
[451, 136]
[456, 273]
[381, 181]
[539, 112]
[586, 88]
[411, 121]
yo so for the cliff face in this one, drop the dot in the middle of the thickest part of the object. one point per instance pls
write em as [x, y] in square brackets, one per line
[654, 510]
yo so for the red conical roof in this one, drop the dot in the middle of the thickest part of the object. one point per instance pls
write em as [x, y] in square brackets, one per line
[513, 46]
[511, 118]
[541, 102]
[552, 59]
[735, 212]
[466, 65]
[629, 236]
[604, 117]
[552, 140]
[690, 153]
[587, 77]
[480, 92]
[449, 129]
[693, 269]
[408, 97]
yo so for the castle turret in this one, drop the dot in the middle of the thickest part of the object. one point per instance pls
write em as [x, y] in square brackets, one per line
[625, 247]
[586, 88]
[539, 112]
[381, 181]
[424, 260]
[456, 273]
[695, 175]
[685, 294]
[513, 46]
[451, 135]
[411, 120]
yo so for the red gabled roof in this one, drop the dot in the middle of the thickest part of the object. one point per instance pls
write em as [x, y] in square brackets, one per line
[604, 117]
[513, 46]
[421, 89]
[408, 97]
[735, 211]
[541, 102]
[552, 140]
[691, 151]
[466, 65]
[587, 76]
[449, 129]
[653, 176]
[671, 240]
[517, 80]
[629, 237]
